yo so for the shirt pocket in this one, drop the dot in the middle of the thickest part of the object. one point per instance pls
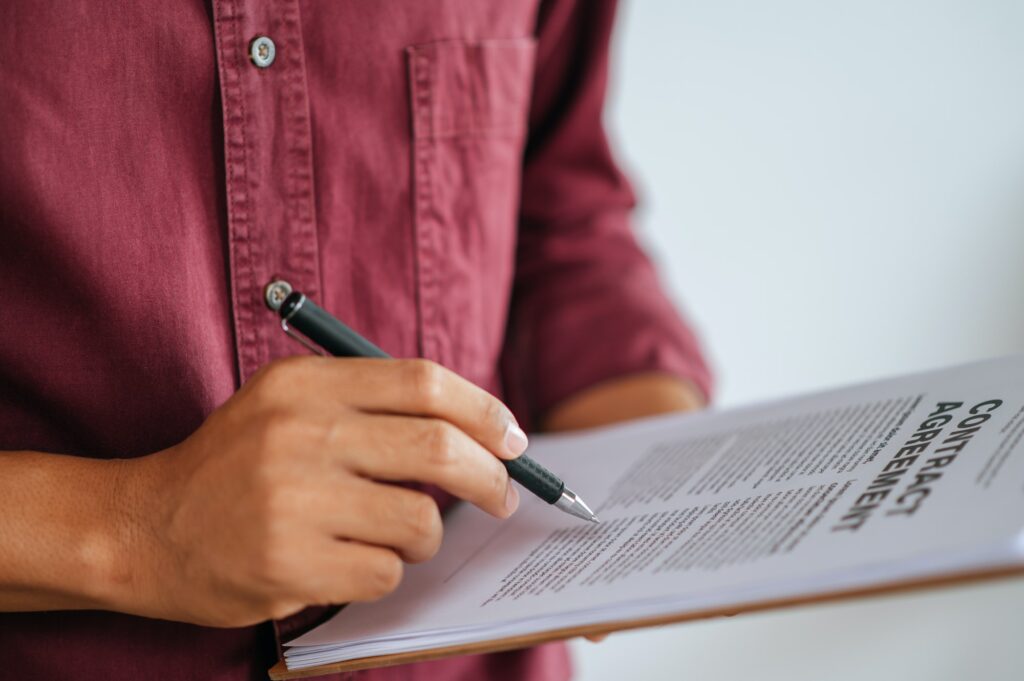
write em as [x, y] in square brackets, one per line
[470, 103]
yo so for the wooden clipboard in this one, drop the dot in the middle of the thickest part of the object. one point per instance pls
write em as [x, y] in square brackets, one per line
[280, 671]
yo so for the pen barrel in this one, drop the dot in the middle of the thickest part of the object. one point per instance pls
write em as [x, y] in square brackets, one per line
[535, 478]
[333, 336]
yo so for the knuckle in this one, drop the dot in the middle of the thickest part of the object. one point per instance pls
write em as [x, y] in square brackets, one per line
[496, 413]
[427, 529]
[383, 575]
[275, 422]
[422, 516]
[336, 434]
[441, 444]
[272, 433]
[271, 379]
[427, 381]
[499, 483]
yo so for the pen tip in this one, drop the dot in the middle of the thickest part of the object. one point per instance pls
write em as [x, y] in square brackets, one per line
[571, 503]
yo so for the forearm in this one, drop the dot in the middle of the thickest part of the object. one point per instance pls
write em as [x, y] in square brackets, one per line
[62, 532]
[622, 399]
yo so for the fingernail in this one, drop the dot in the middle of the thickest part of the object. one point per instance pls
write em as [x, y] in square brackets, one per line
[511, 498]
[515, 439]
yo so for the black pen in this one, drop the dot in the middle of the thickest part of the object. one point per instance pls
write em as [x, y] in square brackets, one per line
[318, 326]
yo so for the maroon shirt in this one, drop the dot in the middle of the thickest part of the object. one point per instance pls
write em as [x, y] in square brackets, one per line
[433, 172]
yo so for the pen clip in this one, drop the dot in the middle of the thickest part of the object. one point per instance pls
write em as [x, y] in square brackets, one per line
[306, 343]
[302, 339]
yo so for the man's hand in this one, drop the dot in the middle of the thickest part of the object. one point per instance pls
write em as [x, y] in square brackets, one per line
[283, 497]
[621, 400]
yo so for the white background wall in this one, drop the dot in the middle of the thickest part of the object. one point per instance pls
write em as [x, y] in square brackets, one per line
[835, 192]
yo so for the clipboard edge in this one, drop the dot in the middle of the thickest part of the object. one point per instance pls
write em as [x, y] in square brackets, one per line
[280, 672]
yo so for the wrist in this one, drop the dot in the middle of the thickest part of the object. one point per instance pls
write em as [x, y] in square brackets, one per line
[123, 557]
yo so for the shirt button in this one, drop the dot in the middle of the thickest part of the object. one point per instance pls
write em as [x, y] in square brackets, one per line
[262, 51]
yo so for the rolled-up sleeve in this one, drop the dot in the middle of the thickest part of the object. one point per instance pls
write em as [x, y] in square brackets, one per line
[587, 304]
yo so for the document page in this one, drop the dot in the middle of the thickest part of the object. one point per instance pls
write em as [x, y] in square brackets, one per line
[894, 480]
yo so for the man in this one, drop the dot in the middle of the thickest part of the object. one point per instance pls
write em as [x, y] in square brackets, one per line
[434, 173]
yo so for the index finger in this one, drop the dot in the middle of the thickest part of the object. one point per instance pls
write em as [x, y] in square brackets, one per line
[419, 387]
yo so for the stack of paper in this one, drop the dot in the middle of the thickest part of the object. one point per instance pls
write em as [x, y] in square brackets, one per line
[906, 480]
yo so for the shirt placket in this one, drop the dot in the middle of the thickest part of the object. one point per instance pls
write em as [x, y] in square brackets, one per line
[268, 163]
